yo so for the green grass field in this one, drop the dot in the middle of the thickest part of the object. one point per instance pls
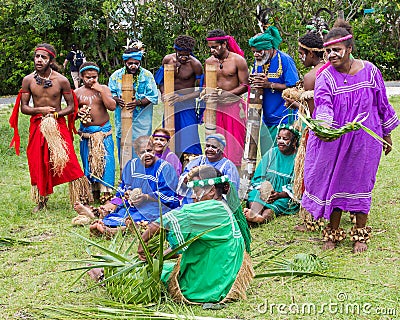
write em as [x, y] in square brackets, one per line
[30, 276]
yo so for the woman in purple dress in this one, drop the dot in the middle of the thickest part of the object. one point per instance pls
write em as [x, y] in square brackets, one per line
[160, 140]
[339, 175]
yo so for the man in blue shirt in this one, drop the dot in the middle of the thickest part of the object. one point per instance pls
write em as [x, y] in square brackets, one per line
[146, 94]
[274, 71]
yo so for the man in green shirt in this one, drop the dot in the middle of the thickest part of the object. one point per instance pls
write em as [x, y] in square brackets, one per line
[216, 267]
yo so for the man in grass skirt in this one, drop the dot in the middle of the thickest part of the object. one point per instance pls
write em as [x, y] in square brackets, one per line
[50, 152]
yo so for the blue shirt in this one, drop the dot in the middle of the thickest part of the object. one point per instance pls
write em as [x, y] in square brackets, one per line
[145, 87]
[283, 70]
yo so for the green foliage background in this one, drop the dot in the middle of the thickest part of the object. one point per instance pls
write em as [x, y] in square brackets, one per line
[100, 28]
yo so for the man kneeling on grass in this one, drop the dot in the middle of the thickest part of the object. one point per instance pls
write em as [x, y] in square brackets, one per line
[144, 181]
[216, 267]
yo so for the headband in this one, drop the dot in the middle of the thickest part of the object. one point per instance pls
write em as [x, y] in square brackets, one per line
[89, 67]
[182, 49]
[137, 55]
[290, 128]
[232, 44]
[216, 137]
[207, 182]
[161, 136]
[47, 50]
[310, 49]
[349, 36]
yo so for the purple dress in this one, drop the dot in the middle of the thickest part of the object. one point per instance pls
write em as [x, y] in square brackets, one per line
[341, 174]
[172, 159]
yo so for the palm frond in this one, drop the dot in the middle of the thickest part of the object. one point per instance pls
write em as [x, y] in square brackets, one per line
[10, 242]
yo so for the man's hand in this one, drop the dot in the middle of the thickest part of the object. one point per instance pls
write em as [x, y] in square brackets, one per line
[387, 148]
[172, 98]
[120, 102]
[46, 110]
[277, 195]
[258, 80]
[97, 86]
[140, 199]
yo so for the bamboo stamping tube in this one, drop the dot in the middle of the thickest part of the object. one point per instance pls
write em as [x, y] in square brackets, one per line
[169, 110]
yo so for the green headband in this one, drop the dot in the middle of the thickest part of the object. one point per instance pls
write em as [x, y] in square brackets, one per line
[290, 128]
[207, 182]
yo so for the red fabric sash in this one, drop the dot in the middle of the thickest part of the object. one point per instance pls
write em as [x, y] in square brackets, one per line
[38, 155]
[13, 121]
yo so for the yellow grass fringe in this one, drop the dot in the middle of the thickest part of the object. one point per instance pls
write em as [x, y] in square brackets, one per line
[80, 190]
[35, 195]
[97, 151]
[299, 166]
[57, 145]
[237, 291]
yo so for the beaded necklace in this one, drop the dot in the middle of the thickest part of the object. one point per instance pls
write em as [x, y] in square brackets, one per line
[279, 71]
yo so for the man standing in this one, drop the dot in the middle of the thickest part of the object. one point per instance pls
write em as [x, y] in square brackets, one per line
[274, 71]
[146, 94]
[51, 156]
[76, 58]
[232, 80]
[188, 70]
[97, 145]
[339, 174]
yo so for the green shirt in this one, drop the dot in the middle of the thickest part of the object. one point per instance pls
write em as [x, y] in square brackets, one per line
[210, 264]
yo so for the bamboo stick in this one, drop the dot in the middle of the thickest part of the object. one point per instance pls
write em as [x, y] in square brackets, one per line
[251, 141]
[169, 110]
[126, 120]
[210, 117]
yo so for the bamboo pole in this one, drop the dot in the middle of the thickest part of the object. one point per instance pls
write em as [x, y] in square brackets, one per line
[169, 110]
[251, 141]
[126, 120]
[210, 117]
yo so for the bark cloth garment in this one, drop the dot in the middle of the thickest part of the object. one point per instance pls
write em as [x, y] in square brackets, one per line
[42, 175]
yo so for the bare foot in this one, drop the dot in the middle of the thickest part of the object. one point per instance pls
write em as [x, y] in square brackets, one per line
[359, 247]
[83, 210]
[97, 274]
[329, 245]
[40, 206]
[251, 217]
[97, 228]
[300, 228]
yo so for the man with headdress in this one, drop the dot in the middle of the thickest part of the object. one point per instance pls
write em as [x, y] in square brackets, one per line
[273, 71]
[216, 267]
[213, 156]
[96, 145]
[232, 82]
[146, 94]
[188, 72]
[50, 152]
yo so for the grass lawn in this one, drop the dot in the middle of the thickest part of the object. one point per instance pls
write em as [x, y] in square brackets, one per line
[30, 275]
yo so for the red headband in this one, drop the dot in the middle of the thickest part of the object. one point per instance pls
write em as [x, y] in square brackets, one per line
[47, 50]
